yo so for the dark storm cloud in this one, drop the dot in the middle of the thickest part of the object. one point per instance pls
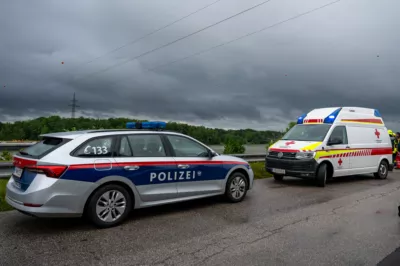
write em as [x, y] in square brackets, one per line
[344, 55]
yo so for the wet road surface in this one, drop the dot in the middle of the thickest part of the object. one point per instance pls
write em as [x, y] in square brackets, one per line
[352, 221]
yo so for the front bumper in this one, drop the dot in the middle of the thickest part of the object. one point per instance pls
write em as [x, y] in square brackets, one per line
[48, 197]
[304, 168]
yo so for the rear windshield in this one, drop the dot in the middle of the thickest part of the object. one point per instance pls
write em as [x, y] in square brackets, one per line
[307, 132]
[43, 147]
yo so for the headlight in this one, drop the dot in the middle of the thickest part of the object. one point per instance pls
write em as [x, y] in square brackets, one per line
[305, 155]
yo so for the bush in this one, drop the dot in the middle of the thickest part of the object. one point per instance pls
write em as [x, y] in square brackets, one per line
[234, 147]
[6, 156]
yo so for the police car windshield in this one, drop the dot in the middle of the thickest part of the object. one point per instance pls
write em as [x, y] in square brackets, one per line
[307, 132]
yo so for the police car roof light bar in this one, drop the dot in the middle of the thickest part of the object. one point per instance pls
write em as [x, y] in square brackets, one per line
[146, 125]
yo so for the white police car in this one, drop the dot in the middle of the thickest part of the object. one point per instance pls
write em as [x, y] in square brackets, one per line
[104, 174]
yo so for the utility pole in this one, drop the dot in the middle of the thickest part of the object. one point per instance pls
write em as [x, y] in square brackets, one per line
[74, 105]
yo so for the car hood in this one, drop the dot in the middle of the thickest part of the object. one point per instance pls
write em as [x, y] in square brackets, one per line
[230, 158]
[294, 145]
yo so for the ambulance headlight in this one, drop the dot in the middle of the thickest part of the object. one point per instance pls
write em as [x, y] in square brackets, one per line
[305, 155]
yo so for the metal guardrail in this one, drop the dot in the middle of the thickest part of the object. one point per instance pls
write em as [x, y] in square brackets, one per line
[14, 146]
[7, 167]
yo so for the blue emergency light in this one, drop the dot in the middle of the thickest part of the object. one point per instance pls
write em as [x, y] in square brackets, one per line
[146, 125]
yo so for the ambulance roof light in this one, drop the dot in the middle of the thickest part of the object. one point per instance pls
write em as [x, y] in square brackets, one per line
[146, 125]
[377, 113]
[331, 118]
[300, 119]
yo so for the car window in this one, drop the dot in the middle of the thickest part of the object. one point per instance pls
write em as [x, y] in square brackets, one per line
[45, 146]
[147, 145]
[340, 133]
[184, 147]
[124, 148]
[98, 147]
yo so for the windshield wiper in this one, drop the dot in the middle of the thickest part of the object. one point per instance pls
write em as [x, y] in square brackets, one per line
[24, 153]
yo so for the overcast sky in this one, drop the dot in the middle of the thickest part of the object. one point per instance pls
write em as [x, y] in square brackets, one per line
[346, 54]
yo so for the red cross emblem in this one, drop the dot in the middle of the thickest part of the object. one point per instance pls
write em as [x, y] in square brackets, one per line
[340, 162]
[289, 142]
[377, 133]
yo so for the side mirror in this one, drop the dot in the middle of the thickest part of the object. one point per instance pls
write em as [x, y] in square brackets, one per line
[335, 141]
[212, 154]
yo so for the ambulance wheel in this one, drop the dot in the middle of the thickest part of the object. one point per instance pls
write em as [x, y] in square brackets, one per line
[278, 177]
[109, 206]
[322, 175]
[382, 170]
[236, 187]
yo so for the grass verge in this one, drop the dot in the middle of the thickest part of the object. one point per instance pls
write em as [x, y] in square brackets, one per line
[258, 169]
[3, 204]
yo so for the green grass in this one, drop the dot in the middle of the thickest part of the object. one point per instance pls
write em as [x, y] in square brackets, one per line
[258, 169]
[3, 204]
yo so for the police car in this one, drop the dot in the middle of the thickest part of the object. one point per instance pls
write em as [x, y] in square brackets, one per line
[104, 174]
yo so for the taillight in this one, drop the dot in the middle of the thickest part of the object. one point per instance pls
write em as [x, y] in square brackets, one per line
[54, 171]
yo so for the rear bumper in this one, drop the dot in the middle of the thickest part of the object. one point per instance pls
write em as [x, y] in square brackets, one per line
[47, 197]
[297, 168]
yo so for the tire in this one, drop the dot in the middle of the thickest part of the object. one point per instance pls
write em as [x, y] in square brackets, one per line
[322, 175]
[383, 170]
[278, 177]
[236, 187]
[108, 192]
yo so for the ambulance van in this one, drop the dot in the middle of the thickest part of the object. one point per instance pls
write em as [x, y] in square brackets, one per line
[331, 142]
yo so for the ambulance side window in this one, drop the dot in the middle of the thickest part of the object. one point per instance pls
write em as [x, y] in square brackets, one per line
[339, 133]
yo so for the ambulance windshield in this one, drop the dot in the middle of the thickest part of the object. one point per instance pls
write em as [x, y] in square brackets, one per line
[310, 132]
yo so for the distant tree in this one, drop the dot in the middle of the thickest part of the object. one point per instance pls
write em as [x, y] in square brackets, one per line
[290, 125]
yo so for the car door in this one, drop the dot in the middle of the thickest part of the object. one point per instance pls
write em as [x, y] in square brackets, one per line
[338, 147]
[143, 160]
[199, 173]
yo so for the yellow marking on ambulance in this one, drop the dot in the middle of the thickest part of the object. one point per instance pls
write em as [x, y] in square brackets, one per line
[311, 147]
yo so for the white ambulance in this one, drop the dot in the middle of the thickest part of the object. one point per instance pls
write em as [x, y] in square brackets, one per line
[331, 142]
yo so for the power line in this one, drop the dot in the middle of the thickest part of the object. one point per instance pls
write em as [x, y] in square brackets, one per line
[244, 36]
[177, 40]
[148, 34]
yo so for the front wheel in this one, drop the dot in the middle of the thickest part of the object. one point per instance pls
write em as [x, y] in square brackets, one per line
[236, 187]
[109, 206]
[382, 170]
[278, 177]
[322, 175]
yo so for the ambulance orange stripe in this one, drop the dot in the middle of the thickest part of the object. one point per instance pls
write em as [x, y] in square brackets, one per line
[371, 121]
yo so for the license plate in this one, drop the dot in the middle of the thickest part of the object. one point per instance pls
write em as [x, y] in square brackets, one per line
[17, 172]
[279, 171]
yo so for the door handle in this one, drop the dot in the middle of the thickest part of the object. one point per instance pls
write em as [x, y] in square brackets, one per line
[183, 166]
[347, 147]
[131, 168]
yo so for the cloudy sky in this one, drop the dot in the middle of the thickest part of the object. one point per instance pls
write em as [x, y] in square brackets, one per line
[346, 54]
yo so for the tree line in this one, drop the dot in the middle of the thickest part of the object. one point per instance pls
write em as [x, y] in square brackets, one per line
[31, 129]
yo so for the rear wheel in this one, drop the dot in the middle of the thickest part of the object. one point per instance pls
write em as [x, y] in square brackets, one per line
[383, 170]
[236, 187]
[322, 175]
[109, 206]
[278, 177]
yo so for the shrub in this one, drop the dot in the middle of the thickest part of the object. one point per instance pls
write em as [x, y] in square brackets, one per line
[6, 156]
[234, 147]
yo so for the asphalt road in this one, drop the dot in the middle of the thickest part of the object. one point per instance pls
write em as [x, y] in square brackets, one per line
[352, 221]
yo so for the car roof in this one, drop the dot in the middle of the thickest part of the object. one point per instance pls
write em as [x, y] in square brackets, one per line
[103, 132]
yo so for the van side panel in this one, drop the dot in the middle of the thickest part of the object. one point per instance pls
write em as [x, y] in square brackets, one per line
[369, 145]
